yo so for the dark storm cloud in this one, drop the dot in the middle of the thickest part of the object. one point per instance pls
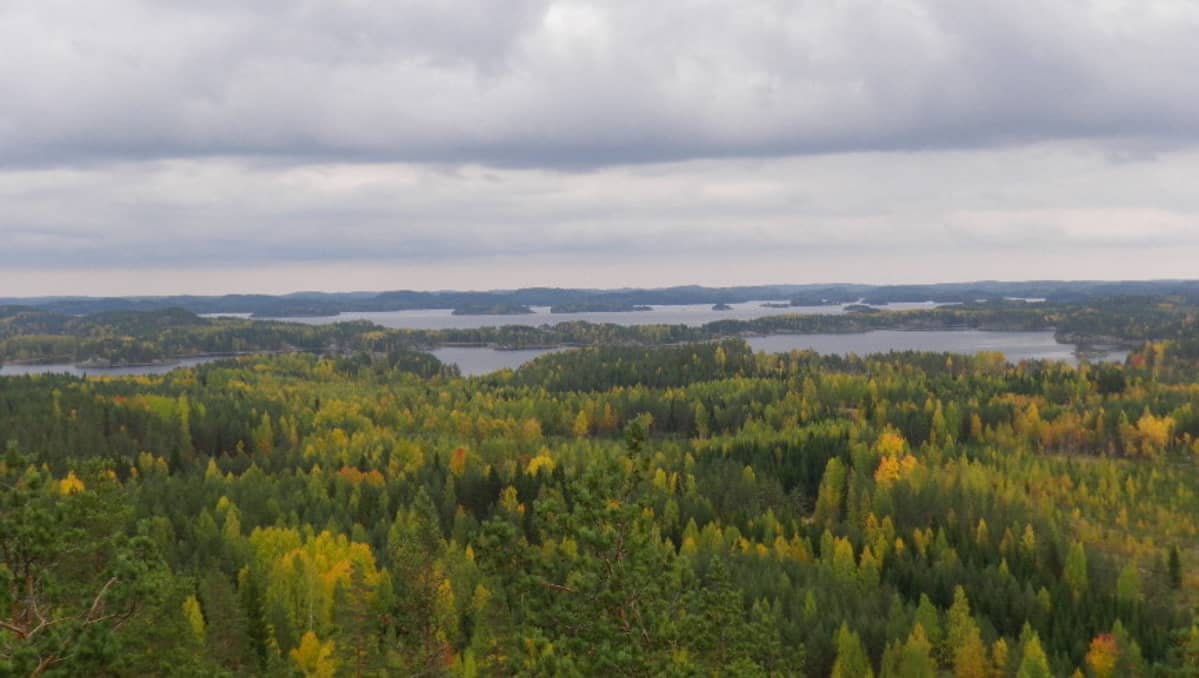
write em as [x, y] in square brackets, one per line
[564, 84]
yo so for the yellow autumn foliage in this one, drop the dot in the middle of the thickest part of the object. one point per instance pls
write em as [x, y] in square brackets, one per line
[306, 571]
[893, 468]
[313, 658]
[195, 619]
[890, 443]
[70, 485]
[541, 461]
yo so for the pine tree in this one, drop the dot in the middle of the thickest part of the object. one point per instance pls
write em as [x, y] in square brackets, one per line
[717, 619]
[227, 627]
[416, 546]
[257, 631]
[356, 618]
[1174, 567]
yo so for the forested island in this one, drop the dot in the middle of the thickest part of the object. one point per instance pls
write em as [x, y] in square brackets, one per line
[494, 309]
[598, 307]
[299, 312]
[861, 308]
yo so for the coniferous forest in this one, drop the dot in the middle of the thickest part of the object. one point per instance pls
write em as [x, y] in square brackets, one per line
[614, 510]
[595, 338]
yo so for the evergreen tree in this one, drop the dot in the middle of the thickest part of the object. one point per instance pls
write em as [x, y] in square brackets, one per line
[851, 657]
[228, 637]
[1033, 662]
[359, 635]
[1075, 572]
[832, 492]
[1174, 568]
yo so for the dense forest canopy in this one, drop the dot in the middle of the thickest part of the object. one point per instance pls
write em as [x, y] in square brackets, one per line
[624, 509]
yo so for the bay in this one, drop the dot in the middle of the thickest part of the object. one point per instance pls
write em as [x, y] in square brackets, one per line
[473, 361]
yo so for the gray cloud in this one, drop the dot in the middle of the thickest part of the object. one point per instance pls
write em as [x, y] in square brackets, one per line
[195, 212]
[534, 83]
[166, 146]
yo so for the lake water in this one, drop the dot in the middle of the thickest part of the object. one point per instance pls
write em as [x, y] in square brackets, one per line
[1016, 346]
[67, 368]
[474, 361]
[684, 314]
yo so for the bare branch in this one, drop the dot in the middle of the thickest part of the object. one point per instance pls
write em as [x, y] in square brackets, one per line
[556, 587]
[98, 599]
[21, 632]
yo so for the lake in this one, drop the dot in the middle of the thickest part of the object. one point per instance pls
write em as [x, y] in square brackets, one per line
[1016, 346]
[9, 370]
[474, 361]
[684, 314]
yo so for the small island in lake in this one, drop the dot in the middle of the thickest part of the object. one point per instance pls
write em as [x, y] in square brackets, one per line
[296, 312]
[721, 307]
[862, 308]
[598, 307]
[494, 309]
[817, 299]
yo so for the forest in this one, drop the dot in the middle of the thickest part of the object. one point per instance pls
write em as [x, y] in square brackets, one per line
[615, 510]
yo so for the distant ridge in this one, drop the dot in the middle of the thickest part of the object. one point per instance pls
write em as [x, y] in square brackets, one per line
[311, 303]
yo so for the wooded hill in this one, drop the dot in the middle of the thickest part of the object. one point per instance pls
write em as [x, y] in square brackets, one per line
[632, 511]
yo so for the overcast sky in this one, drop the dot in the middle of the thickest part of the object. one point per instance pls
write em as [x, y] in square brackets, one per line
[170, 146]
